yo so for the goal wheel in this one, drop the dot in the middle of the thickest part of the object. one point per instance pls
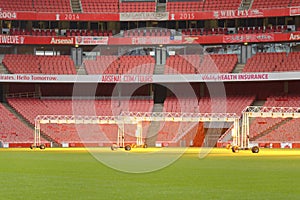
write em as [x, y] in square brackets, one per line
[228, 146]
[128, 147]
[32, 146]
[114, 147]
[42, 146]
[145, 146]
[235, 149]
[255, 149]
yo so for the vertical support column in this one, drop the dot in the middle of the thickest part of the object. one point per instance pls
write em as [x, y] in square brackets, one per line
[237, 130]
[245, 130]
[236, 133]
[121, 137]
[139, 134]
[37, 133]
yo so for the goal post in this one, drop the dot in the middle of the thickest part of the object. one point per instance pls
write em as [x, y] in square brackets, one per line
[137, 118]
[263, 112]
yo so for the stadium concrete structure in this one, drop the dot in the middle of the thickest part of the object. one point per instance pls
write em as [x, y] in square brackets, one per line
[96, 72]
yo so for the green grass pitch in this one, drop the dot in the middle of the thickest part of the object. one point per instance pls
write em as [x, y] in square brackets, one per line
[75, 174]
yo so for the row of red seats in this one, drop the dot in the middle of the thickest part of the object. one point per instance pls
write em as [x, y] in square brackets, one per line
[32, 64]
[106, 6]
[137, 6]
[121, 65]
[230, 104]
[184, 6]
[270, 62]
[12, 130]
[270, 4]
[36, 5]
[195, 64]
[208, 5]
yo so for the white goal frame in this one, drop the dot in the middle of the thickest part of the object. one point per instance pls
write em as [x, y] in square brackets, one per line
[263, 112]
[137, 118]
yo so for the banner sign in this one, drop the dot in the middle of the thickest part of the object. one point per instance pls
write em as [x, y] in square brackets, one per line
[7, 14]
[294, 36]
[240, 38]
[294, 11]
[146, 78]
[27, 39]
[227, 14]
[233, 14]
[144, 16]
[91, 40]
[149, 40]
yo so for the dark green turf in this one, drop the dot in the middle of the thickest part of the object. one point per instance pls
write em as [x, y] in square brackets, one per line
[71, 175]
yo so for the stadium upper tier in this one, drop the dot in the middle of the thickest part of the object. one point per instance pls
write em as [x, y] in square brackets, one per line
[115, 6]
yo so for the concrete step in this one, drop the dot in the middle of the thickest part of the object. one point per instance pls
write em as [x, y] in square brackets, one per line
[238, 68]
[3, 69]
[159, 69]
[154, 127]
[81, 70]
[160, 7]
[76, 6]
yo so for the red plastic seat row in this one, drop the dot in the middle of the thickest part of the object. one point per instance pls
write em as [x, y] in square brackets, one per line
[24, 64]
[121, 65]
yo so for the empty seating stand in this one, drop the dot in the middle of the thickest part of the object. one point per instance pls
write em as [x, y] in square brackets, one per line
[120, 65]
[184, 6]
[29, 108]
[102, 6]
[32, 64]
[212, 5]
[36, 5]
[204, 64]
[12, 130]
[270, 4]
[16, 5]
[52, 5]
[273, 62]
[137, 6]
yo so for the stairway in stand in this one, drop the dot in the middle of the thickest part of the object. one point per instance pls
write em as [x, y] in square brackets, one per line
[76, 6]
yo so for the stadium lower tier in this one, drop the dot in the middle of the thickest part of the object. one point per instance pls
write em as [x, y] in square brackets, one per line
[156, 133]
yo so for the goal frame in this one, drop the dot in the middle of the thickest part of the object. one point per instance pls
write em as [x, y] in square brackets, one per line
[137, 118]
[263, 112]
